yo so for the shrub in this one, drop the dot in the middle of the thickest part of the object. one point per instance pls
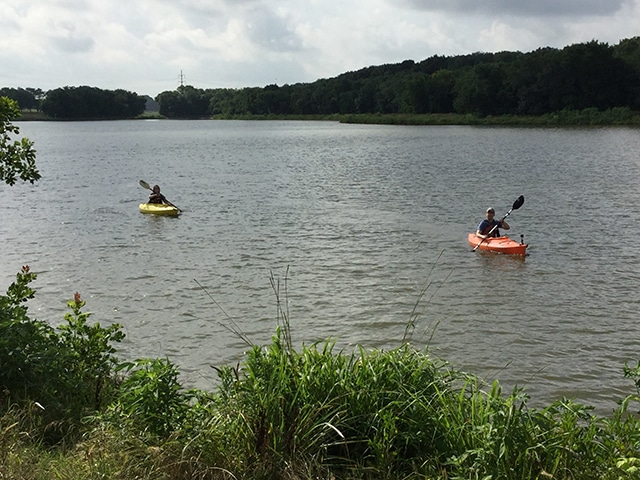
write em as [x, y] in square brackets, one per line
[151, 399]
[67, 372]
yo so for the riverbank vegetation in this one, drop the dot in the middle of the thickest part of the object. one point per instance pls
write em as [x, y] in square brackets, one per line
[70, 408]
[621, 116]
[588, 117]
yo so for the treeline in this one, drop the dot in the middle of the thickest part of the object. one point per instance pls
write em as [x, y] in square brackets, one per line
[585, 76]
[547, 80]
[75, 103]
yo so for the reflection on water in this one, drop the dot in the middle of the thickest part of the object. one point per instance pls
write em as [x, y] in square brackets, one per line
[364, 218]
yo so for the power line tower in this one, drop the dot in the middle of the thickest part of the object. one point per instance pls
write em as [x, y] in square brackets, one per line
[181, 80]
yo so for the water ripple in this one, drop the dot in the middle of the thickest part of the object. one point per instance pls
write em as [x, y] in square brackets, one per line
[363, 218]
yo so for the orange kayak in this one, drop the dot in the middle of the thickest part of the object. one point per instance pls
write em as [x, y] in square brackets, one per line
[498, 245]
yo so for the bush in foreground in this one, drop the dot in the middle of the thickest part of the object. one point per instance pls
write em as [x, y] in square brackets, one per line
[59, 375]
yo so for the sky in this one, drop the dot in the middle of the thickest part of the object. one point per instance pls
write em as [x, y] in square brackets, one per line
[152, 46]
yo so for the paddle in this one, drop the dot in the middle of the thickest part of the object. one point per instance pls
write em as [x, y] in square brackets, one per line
[144, 184]
[516, 205]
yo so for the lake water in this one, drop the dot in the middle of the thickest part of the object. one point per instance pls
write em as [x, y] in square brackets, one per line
[363, 218]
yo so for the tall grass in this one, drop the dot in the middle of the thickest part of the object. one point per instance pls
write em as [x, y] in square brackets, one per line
[401, 413]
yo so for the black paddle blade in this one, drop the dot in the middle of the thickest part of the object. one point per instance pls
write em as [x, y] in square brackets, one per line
[144, 184]
[518, 203]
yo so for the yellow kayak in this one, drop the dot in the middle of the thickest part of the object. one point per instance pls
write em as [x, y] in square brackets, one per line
[159, 209]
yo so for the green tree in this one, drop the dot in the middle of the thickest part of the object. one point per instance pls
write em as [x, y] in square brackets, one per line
[27, 98]
[17, 157]
[185, 102]
[594, 77]
[301, 101]
[416, 95]
[536, 82]
[628, 51]
[275, 100]
[92, 103]
[481, 90]
[441, 85]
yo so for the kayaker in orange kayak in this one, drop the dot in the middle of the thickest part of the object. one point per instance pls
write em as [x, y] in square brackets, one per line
[485, 226]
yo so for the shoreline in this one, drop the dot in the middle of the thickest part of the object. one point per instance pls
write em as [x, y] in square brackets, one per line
[566, 118]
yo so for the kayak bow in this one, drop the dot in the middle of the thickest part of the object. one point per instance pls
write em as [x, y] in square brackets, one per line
[498, 245]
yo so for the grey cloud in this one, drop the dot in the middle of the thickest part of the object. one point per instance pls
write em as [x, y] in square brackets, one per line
[73, 44]
[263, 26]
[262, 72]
[197, 7]
[198, 13]
[269, 30]
[521, 7]
[208, 7]
[64, 36]
[8, 26]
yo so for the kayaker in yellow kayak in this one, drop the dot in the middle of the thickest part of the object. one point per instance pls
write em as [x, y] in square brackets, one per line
[156, 196]
[490, 226]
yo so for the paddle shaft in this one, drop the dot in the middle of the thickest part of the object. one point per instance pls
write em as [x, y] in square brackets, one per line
[144, 184]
